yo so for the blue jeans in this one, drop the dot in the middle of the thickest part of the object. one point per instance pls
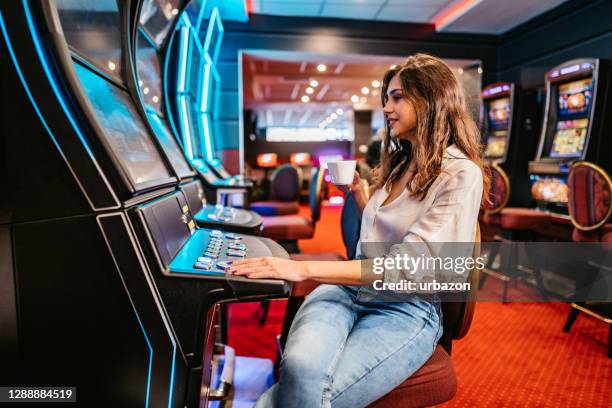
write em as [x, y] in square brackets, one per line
[343, 352]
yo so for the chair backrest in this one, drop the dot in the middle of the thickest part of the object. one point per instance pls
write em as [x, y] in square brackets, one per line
[457, 314]
[351, 225]
[285, 184]
[590, 196]
[315, 198]
[500, 190]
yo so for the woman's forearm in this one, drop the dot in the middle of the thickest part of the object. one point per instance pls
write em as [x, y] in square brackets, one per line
[337, 272]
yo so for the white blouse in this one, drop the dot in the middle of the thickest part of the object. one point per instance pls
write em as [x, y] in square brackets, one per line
[447, 214]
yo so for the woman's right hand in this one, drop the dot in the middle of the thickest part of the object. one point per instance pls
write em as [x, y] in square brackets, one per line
[354, 186]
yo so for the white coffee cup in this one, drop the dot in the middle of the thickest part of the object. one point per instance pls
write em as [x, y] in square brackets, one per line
[342, 172]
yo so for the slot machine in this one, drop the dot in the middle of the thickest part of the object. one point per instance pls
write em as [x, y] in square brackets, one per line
[108, 283]
[511, 119]
[576, 126]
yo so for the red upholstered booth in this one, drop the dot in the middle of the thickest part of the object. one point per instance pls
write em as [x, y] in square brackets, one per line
[590, 206]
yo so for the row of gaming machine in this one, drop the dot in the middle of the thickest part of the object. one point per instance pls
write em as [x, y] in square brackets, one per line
[113, 266]
[576, 125]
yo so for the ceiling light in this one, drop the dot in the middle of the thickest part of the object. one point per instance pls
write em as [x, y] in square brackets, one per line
[365, 90]
[139, 82]
[155, 99]
[305, 98]
[321, 68]
[314, 83]
[375, 83]
[354, 99]
[145, 91]
[309, 91]
[363, 148]
[339, 111]
[480, 70]
[334, 116]
[112, 65]
[460, 71]
[174, 12]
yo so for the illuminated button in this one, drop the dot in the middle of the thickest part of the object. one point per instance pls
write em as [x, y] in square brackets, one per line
[233, 236]
[206, 259]
[213, 255]
[237, 245]
[203, 265]
[236, 252]
[224, 265]
[216, 241]
[216, 233]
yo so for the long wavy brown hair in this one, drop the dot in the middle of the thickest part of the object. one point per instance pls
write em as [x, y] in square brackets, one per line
[442, 120]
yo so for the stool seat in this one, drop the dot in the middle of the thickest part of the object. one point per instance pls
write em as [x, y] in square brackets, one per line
[287, 227]
[523, 218]
[275, 207]
[491, 219]
[603, 234]
[432, 384]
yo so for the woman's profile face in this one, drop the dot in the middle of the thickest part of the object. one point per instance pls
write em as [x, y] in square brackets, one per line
[399, 112]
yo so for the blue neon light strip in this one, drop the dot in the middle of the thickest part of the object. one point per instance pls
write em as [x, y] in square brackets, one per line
[205, 84]
[207, 136]
[185, 131]
[215, 20]
[183, 53]
[51, 78]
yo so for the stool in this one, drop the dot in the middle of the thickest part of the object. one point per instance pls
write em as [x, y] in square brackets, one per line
[285, 192]
[590, 206]
[518, 224]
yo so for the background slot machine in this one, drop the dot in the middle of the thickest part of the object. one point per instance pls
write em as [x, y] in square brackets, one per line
[511, 121]
[576, 127]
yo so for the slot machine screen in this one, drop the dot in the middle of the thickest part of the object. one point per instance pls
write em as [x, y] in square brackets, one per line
[569, 138]
[575, 98]
[195, 68]
[124, 130]
[148, 66]
[551, 189]
[93, 30]
[157, 17]
[168, 142]
[499, 113]
[496, 144]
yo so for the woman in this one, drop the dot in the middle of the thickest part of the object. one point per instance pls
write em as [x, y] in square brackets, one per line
[346, 351]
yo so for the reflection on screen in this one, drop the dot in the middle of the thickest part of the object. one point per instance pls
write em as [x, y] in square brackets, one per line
[195, 68]
[569, 138]
[499, 113]
[549, 189]
[149, 77]
[575, 97]
[496, 144]
[93, 29]
[157, 17]
[168, 143]
[123, 128]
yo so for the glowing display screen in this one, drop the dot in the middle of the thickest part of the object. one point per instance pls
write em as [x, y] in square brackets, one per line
[168, 142]
[499, 113]
[575, 97]
[496, 144]
[569, 138]
[549, 189]
[124, 130]
[149, 77]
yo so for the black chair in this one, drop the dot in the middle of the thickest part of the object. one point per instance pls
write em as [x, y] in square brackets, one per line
[285, 191]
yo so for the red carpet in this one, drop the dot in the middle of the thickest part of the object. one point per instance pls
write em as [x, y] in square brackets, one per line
[514, 354]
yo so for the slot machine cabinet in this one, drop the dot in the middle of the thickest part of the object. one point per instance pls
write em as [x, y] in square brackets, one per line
[576, 126]
[510, 126]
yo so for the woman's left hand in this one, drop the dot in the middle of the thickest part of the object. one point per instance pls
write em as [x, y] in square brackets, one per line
[271, 268]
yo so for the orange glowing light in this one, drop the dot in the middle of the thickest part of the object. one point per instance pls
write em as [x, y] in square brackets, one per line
[267, 160]
[453, 13]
